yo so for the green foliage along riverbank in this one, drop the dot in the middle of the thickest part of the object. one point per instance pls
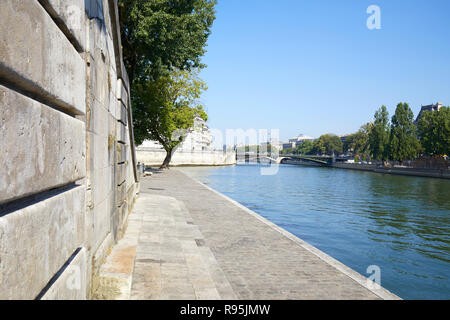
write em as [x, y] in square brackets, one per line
[398, 138]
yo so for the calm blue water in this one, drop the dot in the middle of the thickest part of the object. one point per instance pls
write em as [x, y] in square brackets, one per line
[401, 224]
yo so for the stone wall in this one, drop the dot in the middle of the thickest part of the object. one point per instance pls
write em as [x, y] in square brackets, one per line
[68, 178]
[155, 157]
[355, 166]
[418, 172]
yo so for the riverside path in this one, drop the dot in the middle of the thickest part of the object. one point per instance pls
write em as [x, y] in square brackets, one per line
[187, 241]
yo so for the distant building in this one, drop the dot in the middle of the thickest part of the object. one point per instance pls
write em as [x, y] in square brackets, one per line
[199, 139]
[300, 139]
[295, 142]
[290, 145]
[151, 144]
[431, 107]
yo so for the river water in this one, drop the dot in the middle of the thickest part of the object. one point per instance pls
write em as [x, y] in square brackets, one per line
[400, 224]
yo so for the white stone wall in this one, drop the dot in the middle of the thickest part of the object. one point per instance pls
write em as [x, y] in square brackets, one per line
[154, 157]
[67, 164]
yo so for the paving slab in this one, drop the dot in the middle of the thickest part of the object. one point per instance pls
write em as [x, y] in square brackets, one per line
[193, 243]
[244, 255]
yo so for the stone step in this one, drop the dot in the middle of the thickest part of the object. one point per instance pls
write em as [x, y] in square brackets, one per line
[115, 276]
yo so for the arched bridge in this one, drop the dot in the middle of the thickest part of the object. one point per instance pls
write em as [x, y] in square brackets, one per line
[288, 159]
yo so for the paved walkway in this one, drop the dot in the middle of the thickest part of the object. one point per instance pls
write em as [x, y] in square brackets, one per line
[191, 242]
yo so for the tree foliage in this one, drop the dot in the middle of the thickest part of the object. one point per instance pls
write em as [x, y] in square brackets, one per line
[306, 147]
[163, 42]
[287, 151]
[379, 135]
[434, 132]
[403, 143]
[358, 142]
[168, 108]
[328, 144]
[161, 35]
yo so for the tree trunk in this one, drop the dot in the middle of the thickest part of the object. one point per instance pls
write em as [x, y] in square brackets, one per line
[167, 160]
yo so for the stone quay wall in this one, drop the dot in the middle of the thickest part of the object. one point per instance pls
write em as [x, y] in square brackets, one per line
[68, 177]
[155, 157]
[418, 172]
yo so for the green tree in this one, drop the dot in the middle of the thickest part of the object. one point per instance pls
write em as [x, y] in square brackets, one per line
[306, 147]
[161, 35]
[403, 142]
[169, 106]
[358, 142]
[328, 144]
[434, 132]
[379, 135]
[286, 151]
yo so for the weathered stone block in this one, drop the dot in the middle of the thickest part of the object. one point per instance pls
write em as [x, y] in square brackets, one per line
[127, 135]
[99, 85]
[107, 15]
[121, 194]
[103, 75]
[102, 222]
[98, 149]
[124, 75]
[94, 9]
[101, 183]
[36, 241]
[112, 133]
[121, 132]
[41, 148]
[71, 18]
[121, 153]
[71, 284]
[108, 31]
[36, 57]
[101, 44]
[123, 214]
[131, 195]
[99, 254]
[130, 174]
[122, 93]
[123, 114]
[130, 170]
[97, 119]
[113, 103]
[121, 175]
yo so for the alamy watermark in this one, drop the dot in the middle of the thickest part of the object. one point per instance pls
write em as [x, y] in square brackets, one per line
[261, 145]
[73, 281]
[374, 279]
[374, 20]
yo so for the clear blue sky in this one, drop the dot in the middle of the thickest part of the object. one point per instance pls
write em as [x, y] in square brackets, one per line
[313, 67]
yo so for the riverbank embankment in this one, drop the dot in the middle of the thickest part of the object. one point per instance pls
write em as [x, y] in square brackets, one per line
[155, 157]
[187, 241]
[418, 172]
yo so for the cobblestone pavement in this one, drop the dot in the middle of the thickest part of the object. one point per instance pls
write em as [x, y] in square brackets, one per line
[194, 243]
